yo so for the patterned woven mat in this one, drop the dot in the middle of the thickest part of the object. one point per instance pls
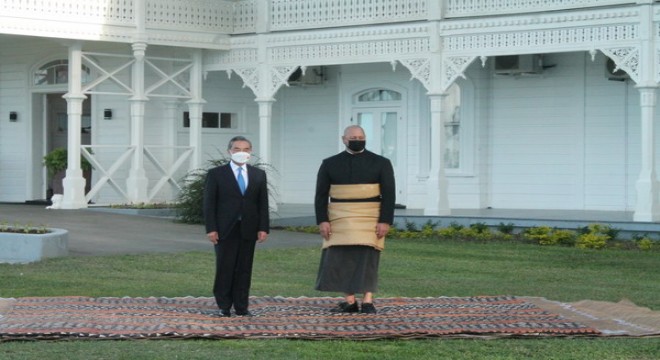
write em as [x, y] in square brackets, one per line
[278, 317]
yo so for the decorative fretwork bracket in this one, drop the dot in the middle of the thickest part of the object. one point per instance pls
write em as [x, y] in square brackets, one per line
[626, 59]
[280, 76]
[420, 69]
[267, 87]
[454, 67]
[250, 77]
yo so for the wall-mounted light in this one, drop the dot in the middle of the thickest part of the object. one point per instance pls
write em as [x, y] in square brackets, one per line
[13, 116]
[107, 114]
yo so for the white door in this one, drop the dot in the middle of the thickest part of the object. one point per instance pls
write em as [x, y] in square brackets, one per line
[384, 130]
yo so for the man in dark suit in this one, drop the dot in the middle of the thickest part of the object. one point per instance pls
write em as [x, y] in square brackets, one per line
[236, 218]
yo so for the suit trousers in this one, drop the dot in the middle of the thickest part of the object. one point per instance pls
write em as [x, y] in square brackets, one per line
[233, 270]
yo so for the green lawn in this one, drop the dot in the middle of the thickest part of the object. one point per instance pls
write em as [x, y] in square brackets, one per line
[408, 268]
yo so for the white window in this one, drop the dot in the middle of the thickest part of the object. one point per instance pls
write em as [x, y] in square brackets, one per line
[452, 124]
[57, 72]
[458, 122]
[214, 120]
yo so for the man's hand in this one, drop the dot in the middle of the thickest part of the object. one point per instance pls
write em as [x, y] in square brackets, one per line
[325, 230]
[213, 237]
[262, 236]
[382, 229]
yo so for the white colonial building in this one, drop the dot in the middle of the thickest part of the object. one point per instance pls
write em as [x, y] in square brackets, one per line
[505, 104]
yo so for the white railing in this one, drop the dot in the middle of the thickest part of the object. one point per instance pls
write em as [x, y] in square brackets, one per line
[245, 16]
[190, 15]
[465, 8]
[198, 15]
[300, 14]
[111, 162]
[90, 11]
[237, 17]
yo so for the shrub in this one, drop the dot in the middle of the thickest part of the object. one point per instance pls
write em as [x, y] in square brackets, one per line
[427, 230]
[303, 229]
[506, 228]
[592, 241]
[645, 244]
[612, 233]
[563, 237]
[539, 234]
[480, 227]
[411, 226]
[456, 226]
[447, 233]
[596, 236]
[189, 208]
[475, 233]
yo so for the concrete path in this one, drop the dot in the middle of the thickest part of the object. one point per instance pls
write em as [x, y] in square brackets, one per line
[94, 232]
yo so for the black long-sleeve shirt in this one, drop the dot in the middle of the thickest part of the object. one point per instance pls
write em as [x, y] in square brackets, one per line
[362, 168]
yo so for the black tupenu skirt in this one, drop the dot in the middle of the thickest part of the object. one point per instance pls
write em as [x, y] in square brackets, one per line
[348, 269]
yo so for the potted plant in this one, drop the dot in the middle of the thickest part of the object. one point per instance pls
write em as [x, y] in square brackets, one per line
[56, 163]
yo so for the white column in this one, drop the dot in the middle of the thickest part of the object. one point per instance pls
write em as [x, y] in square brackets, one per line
[647, 207]
[195, 114]
[74, 182]
[265, 150]
[137, 182]
[195, 110]
[437, 202]
[265, 133]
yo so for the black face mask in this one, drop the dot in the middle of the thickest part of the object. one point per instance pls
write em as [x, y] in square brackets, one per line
[357, 145]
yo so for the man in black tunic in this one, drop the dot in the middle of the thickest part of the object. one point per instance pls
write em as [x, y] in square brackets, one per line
[354, 206]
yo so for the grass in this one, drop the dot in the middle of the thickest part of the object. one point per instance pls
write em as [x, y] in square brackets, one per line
[408, 268]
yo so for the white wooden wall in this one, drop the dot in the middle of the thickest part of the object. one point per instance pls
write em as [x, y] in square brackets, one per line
[566, 139]
[16, 151]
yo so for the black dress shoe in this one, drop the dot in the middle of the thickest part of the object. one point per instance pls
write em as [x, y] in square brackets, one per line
[368, 308]
[243, 313]
[344, 307]
[224, 313]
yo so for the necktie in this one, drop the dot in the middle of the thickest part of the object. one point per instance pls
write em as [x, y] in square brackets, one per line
[241, 181]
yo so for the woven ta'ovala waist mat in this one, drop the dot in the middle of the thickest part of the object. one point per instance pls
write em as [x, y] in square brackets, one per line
[354, 223]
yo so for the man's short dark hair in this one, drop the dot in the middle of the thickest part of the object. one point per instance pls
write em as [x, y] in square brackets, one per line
[238, 138]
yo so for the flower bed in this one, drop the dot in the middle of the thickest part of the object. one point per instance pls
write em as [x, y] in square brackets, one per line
[25, 247]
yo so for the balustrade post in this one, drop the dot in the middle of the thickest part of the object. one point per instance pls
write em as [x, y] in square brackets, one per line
[263, 16]
[436, 10]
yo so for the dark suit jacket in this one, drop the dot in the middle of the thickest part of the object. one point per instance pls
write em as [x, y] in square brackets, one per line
[223, 202]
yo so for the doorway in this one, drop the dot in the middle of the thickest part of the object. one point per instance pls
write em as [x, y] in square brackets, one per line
[380, 113]
[56, 135]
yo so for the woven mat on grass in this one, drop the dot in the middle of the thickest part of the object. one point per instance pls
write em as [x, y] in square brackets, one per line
[281, 317]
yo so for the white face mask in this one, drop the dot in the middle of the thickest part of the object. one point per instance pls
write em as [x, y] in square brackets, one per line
[240, 157]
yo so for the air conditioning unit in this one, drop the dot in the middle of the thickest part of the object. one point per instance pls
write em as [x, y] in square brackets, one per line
[618, 75]
[314, 75]
[518, 64]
